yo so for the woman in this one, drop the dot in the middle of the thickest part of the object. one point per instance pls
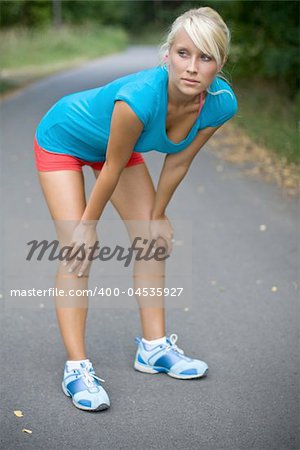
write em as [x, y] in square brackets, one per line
[173, 108]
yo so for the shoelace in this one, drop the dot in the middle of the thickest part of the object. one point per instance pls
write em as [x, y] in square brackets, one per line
[88, 376]
[171, 346]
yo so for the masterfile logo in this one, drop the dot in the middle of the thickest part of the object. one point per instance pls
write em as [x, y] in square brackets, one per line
[145, 251]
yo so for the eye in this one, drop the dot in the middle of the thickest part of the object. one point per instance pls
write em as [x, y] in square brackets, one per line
[206, 57]
[182, 53]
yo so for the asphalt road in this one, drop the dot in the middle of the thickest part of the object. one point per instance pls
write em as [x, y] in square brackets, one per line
[244, 330]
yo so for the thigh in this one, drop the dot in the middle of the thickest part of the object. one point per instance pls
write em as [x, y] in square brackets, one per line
[64, 193]
[133, 197]
[65, 197]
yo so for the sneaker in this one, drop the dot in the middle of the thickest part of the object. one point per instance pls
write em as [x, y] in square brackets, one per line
[82, 384]
[169, 359]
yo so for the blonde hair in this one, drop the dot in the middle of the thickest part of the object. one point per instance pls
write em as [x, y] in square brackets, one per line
[209, 33]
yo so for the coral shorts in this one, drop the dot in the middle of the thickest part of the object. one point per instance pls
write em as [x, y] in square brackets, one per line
[47, 161]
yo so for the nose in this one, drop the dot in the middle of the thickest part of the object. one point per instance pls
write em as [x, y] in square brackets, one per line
[192, 66]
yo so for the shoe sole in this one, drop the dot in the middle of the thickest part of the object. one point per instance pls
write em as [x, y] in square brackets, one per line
[101, 407]
[146, 369]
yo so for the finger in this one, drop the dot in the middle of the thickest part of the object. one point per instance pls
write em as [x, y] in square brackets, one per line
[73, 253]
[84, 268]
[163, 243]
[170, 242]
[83, 263]
[75, 266]
[168, 246]
[68, 254]
[74, 261]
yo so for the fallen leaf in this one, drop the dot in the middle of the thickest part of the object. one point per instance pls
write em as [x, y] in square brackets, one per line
[18, 413]
[232, 144]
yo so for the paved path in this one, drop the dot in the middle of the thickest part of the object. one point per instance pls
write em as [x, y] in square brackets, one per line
[245, 332]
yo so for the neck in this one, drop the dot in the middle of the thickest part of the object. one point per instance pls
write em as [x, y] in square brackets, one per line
[178, 99]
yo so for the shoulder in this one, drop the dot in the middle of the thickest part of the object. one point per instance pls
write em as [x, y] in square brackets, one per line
[144, 79]
[222, 91]
[141, 91]
[223, 102]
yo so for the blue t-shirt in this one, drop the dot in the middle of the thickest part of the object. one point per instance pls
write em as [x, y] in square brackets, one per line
[79, 124]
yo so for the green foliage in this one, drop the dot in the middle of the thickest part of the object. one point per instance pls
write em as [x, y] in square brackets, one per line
[265, 36]
[266, 42]
[105, 12]
[28, 13]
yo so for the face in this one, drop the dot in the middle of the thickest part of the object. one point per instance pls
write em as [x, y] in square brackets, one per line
[186, 62]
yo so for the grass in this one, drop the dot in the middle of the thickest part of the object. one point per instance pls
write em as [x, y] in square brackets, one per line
[29, 54]
[269, 117]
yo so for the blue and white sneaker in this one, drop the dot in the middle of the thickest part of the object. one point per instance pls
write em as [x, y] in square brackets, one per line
[82, 384]
[169, 359]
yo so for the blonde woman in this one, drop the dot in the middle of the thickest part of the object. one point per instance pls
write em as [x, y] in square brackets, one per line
[173, 108]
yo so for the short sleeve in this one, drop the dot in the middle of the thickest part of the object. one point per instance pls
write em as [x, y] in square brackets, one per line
[227, 108]
[141, 98]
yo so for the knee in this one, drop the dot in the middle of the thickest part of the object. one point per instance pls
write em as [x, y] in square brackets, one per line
[139, 229]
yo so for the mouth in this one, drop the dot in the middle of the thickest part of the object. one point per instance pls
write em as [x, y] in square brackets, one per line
[190, 81]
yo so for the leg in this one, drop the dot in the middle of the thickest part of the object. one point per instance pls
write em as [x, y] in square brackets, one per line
[133, 199]
[65, 197]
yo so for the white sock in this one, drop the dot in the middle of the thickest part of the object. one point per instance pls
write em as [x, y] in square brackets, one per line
[154, 342]
[76, 363]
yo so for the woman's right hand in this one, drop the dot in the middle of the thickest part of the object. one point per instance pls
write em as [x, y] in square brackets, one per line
[83, 239]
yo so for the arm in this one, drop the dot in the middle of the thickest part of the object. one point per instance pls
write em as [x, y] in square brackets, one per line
[124, 133]
[175, 167]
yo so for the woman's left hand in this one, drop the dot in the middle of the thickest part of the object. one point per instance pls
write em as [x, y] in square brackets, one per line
[161, 230]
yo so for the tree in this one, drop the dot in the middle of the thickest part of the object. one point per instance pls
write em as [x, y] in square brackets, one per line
[56, 11]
